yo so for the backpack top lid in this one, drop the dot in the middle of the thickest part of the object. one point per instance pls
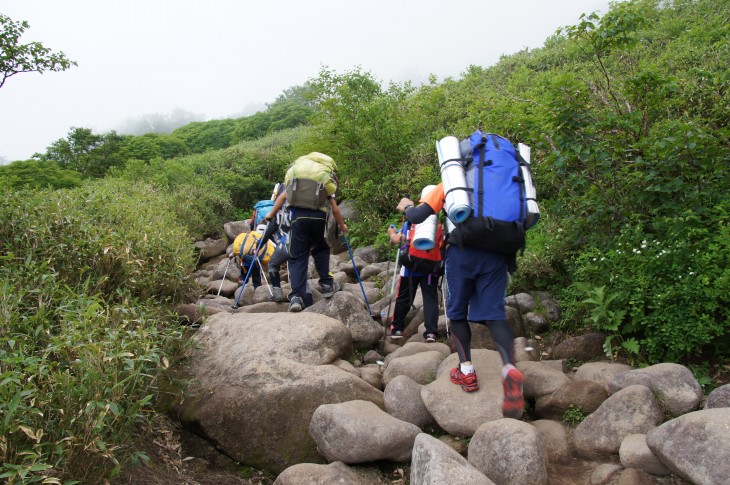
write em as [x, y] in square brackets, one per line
[323, 159]
[263, 203]
[315, 166]
[426, 190]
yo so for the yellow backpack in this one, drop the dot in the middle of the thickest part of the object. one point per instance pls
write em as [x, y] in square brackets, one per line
[245, 244]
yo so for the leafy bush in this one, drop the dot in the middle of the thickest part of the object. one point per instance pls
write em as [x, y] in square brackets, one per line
[86, 276]
[671, 292]
[37, 174]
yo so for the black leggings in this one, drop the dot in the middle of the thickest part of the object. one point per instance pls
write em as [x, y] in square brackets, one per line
[501, 333]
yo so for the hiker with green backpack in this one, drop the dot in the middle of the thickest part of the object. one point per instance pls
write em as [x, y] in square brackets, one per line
[311, 184]
[484, 194]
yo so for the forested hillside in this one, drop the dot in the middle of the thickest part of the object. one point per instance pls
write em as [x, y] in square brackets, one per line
[627, 116]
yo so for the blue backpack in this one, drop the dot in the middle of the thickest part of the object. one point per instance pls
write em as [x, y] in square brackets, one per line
[260, 210]
[497, 195]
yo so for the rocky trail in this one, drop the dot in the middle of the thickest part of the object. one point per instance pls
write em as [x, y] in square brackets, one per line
[322, 397]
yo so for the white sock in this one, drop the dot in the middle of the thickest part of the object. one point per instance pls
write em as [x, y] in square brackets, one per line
[506, 369]
[466, 367]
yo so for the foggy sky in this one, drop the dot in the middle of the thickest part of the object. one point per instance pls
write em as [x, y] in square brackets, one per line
[227, 58]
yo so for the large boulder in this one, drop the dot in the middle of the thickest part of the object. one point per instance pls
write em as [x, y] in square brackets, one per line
[581, 347]
[587, 395]
[403, 401]
[442, 397]
[314, 474]
[674, 385]
[359, 432]
[210, 248]
[434, 462]
[509, 452]
[695, 446]
[256, 380]
[719, 398]
[630, 411]
[346, 308]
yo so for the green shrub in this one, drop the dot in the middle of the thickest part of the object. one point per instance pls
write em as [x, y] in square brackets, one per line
[669, 291]
[86, 278]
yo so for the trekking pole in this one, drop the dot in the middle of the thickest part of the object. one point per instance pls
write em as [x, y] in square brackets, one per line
[357, 273]
[248, 273]
[392, 284]
[263, 275]
[224, 277]
[390, 295]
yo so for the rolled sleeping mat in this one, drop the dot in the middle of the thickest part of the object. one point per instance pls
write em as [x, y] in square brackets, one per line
[532, 209]
[424, 237]
[457, 204]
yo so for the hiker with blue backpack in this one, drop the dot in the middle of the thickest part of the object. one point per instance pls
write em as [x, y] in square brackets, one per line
[311, 184]
[488, 203]
[419, 268]
[277, 230]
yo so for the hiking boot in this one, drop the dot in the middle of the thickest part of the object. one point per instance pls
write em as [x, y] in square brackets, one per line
[430, 338]
[277, 295]
[329, 290]
[296, 304]
[396, 334]
[514, 402]
[468, 382]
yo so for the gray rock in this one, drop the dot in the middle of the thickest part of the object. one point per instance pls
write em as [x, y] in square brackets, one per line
[634, 476]
[526, 350]
[436, 463]
[635, 453]
[524, 302]
[413, 348]
[541, 379]
[603, 473]
[359, 431]
[276, 368]
[555, 438]
[674, 385]
[347, 367]
[313, 474]
[265, 307]
[601, 372]
[402, 397]
[371, 357]
[442, 397]
[421, 367]
[695, 446]
[719, 398]
[582, 347]
[345, 307]
[234, 228]
[631, 410]
[587, 395]
[372, 375]
[538, 323]
[368, 254]
[210, 248]
[373, 269]
[509, 452]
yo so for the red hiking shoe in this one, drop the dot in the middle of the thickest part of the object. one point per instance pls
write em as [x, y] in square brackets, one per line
[514, 402]
[468, 382]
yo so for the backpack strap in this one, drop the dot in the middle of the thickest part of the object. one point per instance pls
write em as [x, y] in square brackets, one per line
[243, 245]
[523, 199]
